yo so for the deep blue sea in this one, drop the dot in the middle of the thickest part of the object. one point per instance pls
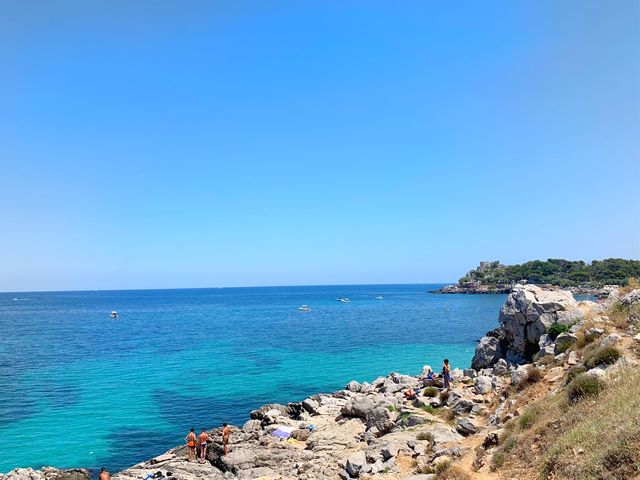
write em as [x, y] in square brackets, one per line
[78, 388]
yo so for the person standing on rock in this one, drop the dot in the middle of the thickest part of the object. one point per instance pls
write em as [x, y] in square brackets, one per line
[190, 440]
[203, 438]
[104, 474]
[226, 431]
[446, 374]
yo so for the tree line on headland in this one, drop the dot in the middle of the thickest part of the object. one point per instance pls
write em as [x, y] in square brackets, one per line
[565, 273]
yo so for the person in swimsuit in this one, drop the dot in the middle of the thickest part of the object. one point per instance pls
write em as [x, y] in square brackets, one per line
[446, 374]
[104, 474]
[226, 431]
[203, 438]
[190, 439]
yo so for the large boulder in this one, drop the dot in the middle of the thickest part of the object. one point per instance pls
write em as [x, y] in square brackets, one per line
[358, 407]
[528, 313]
[488, 352]
[564, 341]
[356, 463]
[631, 298]
[381, 419]
[482, 385]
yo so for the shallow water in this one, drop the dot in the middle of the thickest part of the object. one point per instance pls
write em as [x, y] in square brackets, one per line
[78, 388]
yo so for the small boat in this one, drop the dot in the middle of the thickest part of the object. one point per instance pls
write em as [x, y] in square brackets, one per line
[343, 299]
[304, 308]
[379, 297]
[114, 314]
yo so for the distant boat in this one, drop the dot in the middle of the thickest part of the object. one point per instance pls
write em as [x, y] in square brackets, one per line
[114, 314]
[343, 299]
[304, 308]
[379, 297]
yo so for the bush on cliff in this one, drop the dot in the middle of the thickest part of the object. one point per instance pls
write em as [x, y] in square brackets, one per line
[573, 372]
[600, 354]
[447, 471]
[534, 374]
[430, 392]
[529, 416]
[584, 385]
[556, 329]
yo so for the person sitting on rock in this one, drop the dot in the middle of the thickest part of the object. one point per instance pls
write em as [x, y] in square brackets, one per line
[203, 438]
[427, 380]
[190, 440]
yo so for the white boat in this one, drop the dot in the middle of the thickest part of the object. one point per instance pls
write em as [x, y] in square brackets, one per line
[114, 314]
[343, 299]
[379, 297]
[304, 308]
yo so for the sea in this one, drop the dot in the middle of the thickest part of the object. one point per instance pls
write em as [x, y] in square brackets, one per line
[81, 389]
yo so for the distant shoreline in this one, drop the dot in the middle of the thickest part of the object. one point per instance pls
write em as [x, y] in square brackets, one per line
[505, 289]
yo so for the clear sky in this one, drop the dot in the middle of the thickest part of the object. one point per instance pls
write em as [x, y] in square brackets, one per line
[154, 144]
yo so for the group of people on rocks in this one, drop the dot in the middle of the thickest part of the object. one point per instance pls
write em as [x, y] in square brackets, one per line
[198, 445]
[429, 380]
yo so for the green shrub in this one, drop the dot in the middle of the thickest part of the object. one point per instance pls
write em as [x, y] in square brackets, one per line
[498, 460]
[529, 417]
[509, 443]
[391, 408]
[598, 355]
[429, 409]
[430, 392]
[573, 372]
[584, 385]
[556, 329]
[428, 436]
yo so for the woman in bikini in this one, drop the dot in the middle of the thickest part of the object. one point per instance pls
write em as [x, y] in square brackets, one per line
[190, 440]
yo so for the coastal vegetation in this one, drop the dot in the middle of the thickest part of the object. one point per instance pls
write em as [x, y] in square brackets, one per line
[565, 273]
[589, 428]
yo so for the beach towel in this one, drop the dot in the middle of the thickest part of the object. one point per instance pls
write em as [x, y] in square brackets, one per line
[283, 431]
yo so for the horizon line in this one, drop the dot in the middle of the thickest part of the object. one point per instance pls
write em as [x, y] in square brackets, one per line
[221, 287]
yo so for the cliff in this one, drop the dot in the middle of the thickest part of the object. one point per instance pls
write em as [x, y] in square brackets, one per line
[559, 398]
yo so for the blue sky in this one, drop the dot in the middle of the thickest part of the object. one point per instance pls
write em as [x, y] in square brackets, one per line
[183, 143]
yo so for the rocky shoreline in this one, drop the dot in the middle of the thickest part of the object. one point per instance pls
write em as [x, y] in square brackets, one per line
[480, 289]
[373, 431]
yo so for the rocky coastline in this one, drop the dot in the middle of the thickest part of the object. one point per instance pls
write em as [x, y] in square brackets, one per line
[373, 431]
[480, 289]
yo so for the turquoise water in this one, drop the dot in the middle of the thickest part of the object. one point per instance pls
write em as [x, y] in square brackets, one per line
[78, 388]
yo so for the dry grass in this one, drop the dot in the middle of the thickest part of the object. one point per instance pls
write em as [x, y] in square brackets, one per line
[606, 432]
[619, 314]
[530, 416]
[594, 439]
[447, 471]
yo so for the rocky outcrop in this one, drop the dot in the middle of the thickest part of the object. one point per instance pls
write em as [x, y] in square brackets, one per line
[47, 473]
[488, 351]
[525, 319]
[631, 298]
[363, 430]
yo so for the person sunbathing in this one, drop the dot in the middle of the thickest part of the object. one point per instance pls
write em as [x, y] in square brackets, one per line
[410, 394]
